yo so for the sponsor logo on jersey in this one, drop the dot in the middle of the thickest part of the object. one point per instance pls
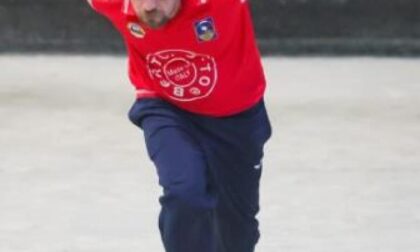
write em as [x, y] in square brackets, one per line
[183, 75]
[136, 30]
[205, 30]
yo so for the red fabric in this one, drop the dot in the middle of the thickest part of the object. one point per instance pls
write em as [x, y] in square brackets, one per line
[216, 73]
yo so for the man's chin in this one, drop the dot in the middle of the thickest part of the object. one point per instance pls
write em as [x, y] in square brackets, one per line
[153, 24]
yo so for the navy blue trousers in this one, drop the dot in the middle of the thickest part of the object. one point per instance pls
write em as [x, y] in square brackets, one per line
[209, 169]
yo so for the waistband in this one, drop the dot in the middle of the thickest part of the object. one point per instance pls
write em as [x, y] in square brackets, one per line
[145, 93]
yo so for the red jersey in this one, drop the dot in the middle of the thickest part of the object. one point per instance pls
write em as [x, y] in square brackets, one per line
[205, 60]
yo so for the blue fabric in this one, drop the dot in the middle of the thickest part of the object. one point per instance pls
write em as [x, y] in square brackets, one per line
[209, 169]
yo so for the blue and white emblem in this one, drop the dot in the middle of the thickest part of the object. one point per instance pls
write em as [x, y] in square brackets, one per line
[205, 30]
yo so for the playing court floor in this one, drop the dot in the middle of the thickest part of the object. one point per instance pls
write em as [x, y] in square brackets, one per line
[341, 173]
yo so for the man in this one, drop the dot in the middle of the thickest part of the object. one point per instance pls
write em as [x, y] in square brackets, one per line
[199, 84]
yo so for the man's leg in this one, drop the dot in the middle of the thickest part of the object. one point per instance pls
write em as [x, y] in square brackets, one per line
[186, 218]
[237, 206]
[234, 148]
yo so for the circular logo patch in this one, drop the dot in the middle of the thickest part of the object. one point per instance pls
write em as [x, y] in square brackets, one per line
[183, 75]
[136, 30]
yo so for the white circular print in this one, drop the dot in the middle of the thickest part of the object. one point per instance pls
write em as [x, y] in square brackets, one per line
[183, 75]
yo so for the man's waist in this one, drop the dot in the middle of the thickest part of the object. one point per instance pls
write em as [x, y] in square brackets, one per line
[145, 93]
